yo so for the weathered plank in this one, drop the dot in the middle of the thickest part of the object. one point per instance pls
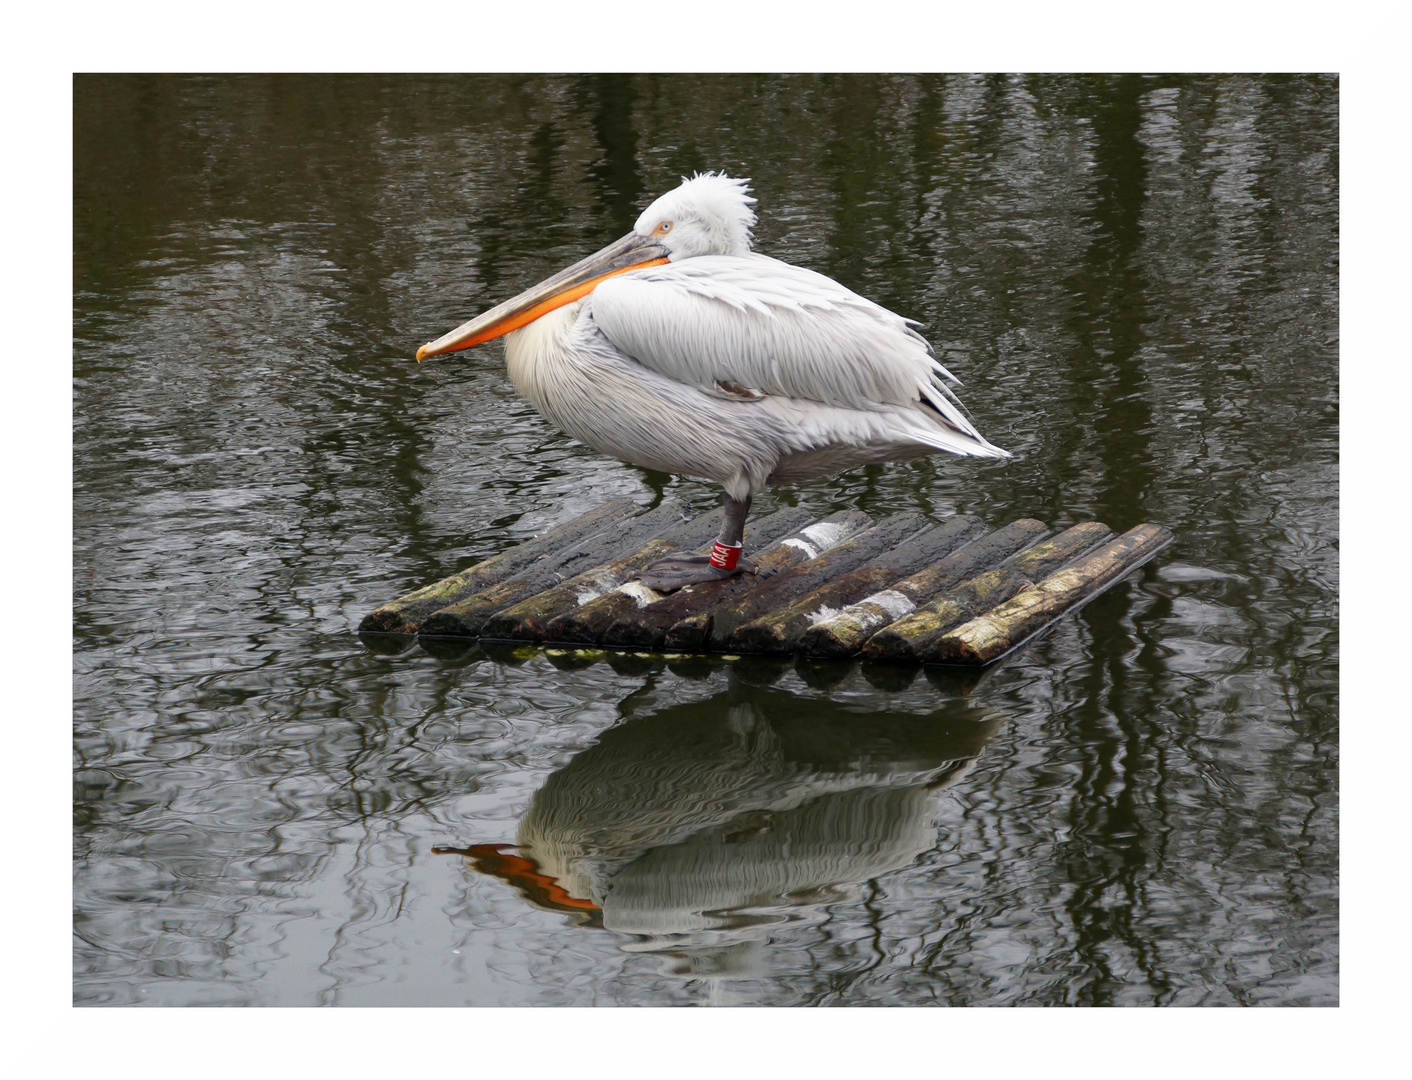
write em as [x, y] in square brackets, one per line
[985, 639]
[647, 627]
[727, 619]
[914, 638]
[405, 614]
[586, 623]
[779, 630]
[844, 634]
[466, 617]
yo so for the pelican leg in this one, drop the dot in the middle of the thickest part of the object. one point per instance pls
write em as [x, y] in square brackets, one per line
[680, 569]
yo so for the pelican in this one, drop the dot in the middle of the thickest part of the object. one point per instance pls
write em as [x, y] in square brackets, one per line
[680, 349]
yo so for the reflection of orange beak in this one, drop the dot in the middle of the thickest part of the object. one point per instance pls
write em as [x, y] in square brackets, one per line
[523, 874]
[632, 252]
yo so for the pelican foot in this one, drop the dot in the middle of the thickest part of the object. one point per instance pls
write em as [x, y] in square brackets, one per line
[678, 571]
[675, 557]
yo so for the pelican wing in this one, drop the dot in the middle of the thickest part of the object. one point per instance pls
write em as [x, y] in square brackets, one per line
[755, 322]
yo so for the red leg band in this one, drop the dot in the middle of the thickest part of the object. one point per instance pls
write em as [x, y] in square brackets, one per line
[725, 555]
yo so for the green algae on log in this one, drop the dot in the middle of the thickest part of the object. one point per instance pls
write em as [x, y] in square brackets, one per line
[843, 634]
[987, 638]
[405, 614]
[913, 638]
[899, 591]
[466, 617]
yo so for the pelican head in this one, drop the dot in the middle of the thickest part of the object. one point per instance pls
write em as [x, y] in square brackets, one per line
[709, 214]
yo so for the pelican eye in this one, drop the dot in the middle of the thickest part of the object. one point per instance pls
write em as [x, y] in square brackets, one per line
[665, 227]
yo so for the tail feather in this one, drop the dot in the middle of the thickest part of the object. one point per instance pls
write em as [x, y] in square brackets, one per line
[955, 432]
[960, 443]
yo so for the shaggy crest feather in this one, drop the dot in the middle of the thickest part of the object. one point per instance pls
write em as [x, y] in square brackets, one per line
[711, 215]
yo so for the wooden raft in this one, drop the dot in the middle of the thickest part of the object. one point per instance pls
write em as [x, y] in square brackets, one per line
[902, 590]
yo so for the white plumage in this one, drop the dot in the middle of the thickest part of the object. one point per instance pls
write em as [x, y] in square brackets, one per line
[679, 349]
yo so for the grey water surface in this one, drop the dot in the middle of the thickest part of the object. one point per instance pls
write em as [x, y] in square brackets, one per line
[1135, 277]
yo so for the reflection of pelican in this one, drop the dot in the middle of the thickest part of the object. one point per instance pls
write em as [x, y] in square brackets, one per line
[678, 349]
[744, 809]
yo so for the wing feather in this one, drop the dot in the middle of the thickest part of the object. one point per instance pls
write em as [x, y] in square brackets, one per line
[757, 323]
[781, 329]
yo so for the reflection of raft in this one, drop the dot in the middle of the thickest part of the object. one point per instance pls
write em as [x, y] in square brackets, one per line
[902, 589]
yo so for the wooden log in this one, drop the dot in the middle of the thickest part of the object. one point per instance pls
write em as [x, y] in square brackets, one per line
[986, 639]
[405, 614]
[647, 627]
[586, 623]
[727, 619]
[844, 634]
[779, 630]
[466, 617]
[530, 619]
[527, 620]
[914, 637]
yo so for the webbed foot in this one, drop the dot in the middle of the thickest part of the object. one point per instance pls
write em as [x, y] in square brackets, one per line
[676, 571]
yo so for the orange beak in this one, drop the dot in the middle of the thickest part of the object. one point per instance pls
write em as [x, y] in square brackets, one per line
[632, 252]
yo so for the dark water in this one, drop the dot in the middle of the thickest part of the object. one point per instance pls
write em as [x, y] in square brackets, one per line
[1137, 279]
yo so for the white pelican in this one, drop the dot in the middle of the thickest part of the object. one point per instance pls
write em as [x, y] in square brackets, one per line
[677, 348]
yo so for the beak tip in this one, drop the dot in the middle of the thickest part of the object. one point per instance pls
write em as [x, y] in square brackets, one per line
[422, 352]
